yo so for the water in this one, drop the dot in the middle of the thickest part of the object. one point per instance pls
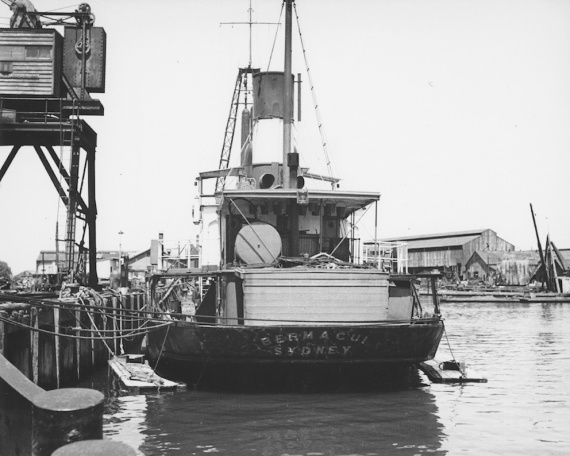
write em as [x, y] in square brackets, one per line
[523, 350]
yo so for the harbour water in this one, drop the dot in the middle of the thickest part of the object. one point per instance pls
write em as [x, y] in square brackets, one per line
[524, 409]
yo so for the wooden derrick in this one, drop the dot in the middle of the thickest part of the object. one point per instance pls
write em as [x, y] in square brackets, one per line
[552, 264]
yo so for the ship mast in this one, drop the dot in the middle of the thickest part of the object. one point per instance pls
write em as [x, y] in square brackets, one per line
[290, 159]
[287, 92]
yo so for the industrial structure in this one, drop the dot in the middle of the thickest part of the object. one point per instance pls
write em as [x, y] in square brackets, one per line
[448, 252]
[45, 84]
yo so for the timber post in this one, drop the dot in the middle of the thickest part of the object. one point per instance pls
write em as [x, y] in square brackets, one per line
[78, 315]
[35, 344]
[4, 315]
[57, 345]
[64, 416]
[114, 328]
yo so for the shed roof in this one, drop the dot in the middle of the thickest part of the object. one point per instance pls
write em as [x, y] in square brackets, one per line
[50, 255]
[439, 243]
[566, 255]
[456, 234]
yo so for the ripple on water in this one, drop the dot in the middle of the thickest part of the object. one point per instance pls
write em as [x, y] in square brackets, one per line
[524, 409]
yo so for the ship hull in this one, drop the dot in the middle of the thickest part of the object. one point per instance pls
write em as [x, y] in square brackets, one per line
[216, 355]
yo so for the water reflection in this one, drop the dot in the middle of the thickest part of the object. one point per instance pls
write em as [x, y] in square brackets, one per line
[195, 422]
[523, 350]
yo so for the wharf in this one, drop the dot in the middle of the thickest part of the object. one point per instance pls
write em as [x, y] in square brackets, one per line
[504, 297]
[55, 342]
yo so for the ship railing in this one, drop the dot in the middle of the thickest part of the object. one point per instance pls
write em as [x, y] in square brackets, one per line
[388, 256]
[216, 320]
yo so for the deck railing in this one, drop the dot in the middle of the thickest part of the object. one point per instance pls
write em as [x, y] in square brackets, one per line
[388, 256]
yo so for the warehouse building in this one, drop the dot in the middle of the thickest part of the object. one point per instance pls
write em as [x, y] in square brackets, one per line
[448, 252]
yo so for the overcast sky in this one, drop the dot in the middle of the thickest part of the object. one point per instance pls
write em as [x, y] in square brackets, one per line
[456, 111]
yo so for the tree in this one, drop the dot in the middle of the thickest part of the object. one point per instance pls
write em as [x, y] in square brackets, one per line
[5, 271]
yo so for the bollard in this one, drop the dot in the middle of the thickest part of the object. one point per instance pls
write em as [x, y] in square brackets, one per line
[64, 416]
[95, 448]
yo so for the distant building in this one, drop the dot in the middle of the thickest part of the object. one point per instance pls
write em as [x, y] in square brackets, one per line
[447, 252]
[136, 265]
[50, 262]
[505, 268]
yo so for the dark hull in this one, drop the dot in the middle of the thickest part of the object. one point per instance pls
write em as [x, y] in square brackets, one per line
[256, 356]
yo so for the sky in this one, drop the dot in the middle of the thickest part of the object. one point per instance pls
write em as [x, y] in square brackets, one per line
[456, 111]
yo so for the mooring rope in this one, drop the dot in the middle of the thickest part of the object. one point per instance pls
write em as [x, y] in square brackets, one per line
[72, 336]
[71, 304]
[161, 349]
[451, 352]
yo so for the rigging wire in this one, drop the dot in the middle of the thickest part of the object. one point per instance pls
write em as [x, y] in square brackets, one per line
[253, 229]
[76, 5]
[275, 38]
[314, 96]
[73, 336]
[350, 230]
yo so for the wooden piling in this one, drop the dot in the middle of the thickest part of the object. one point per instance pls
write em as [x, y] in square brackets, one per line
[57, 345]
[122, 314]
[114, 333]
[3, 314]
[78, 342]
[63, 416]
[35, 344]
[91, 302]
[45, 343]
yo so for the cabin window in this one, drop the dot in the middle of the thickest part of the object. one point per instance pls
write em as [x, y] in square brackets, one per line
[12, 52]
[38, 52]
[6, 67]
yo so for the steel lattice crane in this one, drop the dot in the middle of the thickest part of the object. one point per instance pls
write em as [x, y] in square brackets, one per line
[241, 84]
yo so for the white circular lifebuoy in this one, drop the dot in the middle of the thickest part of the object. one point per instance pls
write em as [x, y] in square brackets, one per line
[258, 243]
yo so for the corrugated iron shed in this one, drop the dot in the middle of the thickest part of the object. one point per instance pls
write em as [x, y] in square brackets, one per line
[439, 243]
[456, 234]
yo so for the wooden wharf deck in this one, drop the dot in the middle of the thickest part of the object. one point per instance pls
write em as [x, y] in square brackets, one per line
[137, 376]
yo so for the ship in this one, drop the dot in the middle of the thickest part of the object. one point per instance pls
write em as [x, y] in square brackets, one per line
[283, 292]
